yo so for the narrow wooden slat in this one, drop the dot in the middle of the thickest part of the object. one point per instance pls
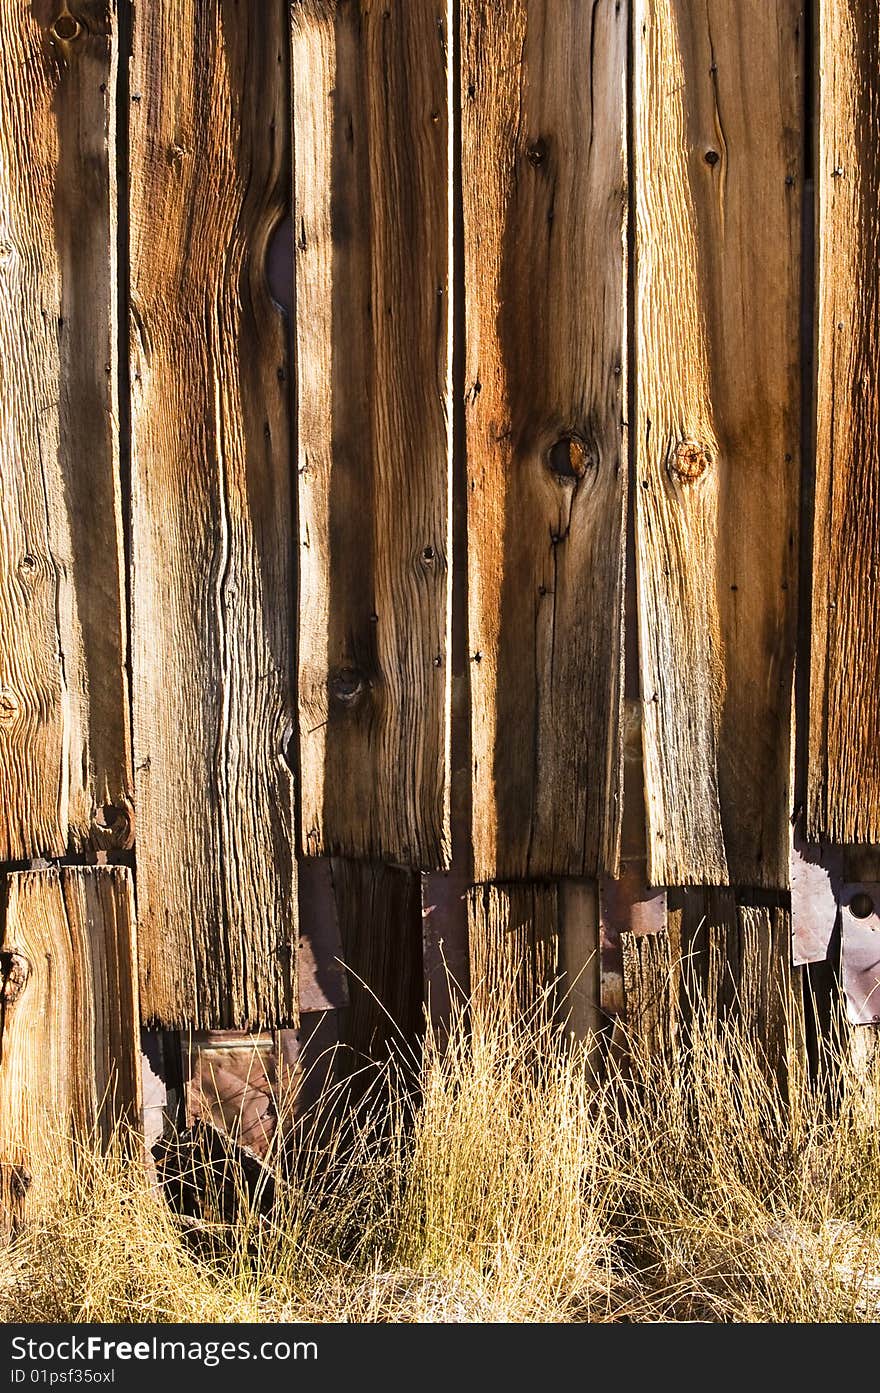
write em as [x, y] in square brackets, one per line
[581, 1005]
[544, 188]
[70, 1058]
[844, 761]
[379, 910]
[212, 516]
[371, 219]
[649, 982]
[514, 946]
[718, 124]
[64, 744]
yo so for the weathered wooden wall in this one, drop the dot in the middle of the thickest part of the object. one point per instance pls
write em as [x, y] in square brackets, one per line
[491, 475]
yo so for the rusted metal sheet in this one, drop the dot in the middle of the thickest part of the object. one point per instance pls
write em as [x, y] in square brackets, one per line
[860, 951]
[816, 875]
[232, 1085]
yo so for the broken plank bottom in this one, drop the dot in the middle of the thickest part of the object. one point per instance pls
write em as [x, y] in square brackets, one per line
[514, 948]
[723, 958]
[69, 1065]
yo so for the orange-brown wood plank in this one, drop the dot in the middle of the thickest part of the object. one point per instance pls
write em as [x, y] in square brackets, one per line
[718, 170]
[212, 517]
[544, 184]
[65, 778]
[371, 220]
[844, 759]
[69, 1062]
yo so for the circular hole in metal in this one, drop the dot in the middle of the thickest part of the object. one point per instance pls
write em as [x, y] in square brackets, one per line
[861, 906]
[66, 28]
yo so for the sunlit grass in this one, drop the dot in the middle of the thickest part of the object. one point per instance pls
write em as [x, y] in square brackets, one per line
[495, 1179]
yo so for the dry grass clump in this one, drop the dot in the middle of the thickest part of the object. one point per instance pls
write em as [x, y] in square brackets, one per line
[495, 1179]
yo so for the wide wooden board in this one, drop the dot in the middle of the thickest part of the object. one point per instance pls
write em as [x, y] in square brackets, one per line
[65, 780]
[371, 218]
[543, 92]
[843, 796]
[69, 1057]
[212, 520]
[718, 167]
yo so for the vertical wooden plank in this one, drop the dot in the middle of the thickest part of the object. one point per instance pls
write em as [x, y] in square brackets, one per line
[514, 946]
[70, 1060]
[371, 218]
[580, 957]
[718, 143]
[650, 981]
[379, 910]
[544, 188]
[64, 743]
[844, 758]
[212, 516]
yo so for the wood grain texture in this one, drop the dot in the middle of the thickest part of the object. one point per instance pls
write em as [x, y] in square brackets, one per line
[731, 957]
[544, 189]
[370, 134]
[69, 1062]
[514, 947]
[843, 796]
[211, 516]
[718, 136]
[65, 781]
[379, 910]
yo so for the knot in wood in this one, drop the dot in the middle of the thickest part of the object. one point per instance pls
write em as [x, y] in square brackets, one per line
[66, 29]
[346, 685]
[690, 460]
[14, 973]
[9, 706]
[537, 152]
[570, 458]
[112, 825]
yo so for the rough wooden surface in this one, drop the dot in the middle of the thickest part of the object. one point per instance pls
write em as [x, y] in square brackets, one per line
[213, 587]
[579, 952]
[379, 910]
[718, 142]
[544, 188]
[69, 1060]
[514, 947]
[64, 743]
[844, 762]
[732, 955]
[370, 119]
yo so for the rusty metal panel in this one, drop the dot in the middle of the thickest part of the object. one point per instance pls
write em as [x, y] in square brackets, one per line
[816, 875]
[860, 951]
